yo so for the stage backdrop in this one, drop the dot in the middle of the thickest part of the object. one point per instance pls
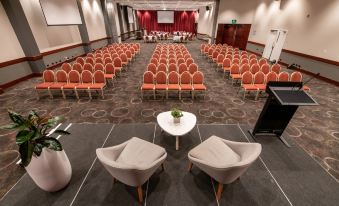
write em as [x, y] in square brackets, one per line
[183, 21]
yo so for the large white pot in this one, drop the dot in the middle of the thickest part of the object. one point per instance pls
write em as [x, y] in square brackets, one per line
[51, 171]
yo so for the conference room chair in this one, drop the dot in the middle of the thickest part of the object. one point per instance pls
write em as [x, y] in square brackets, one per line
[108, 60]
[172, 61]
[276, 68]
[89, 60]
[88, 67]
[132, 50]
[117, 63]
[171, 56]
[124, 60]
[99, 83]
[244, 61]
[193, 68]
[229, 56]
[155, 56]
[236, 56]
[189, 61]
[106, 55]
[61, 80]
[187, 56]
[154, 61]
[90, 55]
[210, 53]
[235, 72]
[173, 83]
[185, 83]
[99, 66]
[206, 49]
[162, 68]
[152, 68]
[115, 55]
[109, 73]
[80, 60]
[128, 55]
[253, 61]
[283, 77]
[271, 77]
[259, 83]
[223, 160]
[172, 67]
[297, 77]
[160, 81]
[243, 53]
[180, 61]
[163, 61]
[236, 61]
[180, 56]
[148, 84]
[254, 68]
[48, 79]
[262, 61]
[99, 61]
[66, 67]
[247, 83]
[78, 67]
[226, 65]
[265, 68]
[202, 47]
[163, 56]
[182, 68]
[220, 59]
[198, 83]
[73, 81]
[86, 82]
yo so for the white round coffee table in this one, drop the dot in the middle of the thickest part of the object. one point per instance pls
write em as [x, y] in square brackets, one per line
[187, 123]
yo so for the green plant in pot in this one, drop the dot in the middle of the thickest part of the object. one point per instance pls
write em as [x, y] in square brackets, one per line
[176, 114]
[41, 154]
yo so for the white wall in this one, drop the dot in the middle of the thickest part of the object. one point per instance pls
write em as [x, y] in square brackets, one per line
[94, 19]
[205, 20]
[48, 37]
[11, 48]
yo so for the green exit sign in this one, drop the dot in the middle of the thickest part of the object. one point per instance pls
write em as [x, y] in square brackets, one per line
[234, 21]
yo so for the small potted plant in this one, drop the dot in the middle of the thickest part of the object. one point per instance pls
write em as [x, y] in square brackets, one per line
[176, 114]
[41, 154]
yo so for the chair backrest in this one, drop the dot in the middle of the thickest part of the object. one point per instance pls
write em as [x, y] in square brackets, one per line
[77, 67]
[283, 77]
[226, 62]
[106, 56]
[265, 68]
[172, 67]
[235, 69]
[173, 77]
[244, 68]
[61, 76]
[247, 78]
[220, 58]
[198, 78]
[253, 61]
[48, 76]
[148, 77]
[259, 78]
[172, 61]
[74, 76]
[210, 51]
[115, 55]
[162, 67]
[189, 61]
[86, 77]
[163, 61]
[180, 61]
[244, 61]
[88, 67]
[109, 68]
[80, 60]
[262, 61]
[271, 77]
[90, 55]
[276, 68]
[99, 77]
[185, 78]
[66, 67]
[255, 68]
[99, 66]
[128, 54]
[123, 57]
[154, 61]
[236, 61]
[296, 77]
[193, 68]
[108, 60]
[117, 62]
[99, 61]
[182, 68]
[253, 56]
[161, 78]
[152, 68]
[90, 61]
[187, 56]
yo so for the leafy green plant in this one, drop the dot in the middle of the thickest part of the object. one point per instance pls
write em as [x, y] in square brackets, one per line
[176, 113]
[32, 134]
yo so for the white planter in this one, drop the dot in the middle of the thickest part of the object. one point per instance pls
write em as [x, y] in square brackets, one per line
[176, 120]
[51, 171]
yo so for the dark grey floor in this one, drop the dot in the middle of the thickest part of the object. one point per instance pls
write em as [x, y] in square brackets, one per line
[281, 176]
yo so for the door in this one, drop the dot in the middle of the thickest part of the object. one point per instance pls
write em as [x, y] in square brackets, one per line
[241, 36]
[229, 34]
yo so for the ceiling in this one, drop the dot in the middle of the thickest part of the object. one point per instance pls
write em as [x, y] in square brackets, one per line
[166, 4]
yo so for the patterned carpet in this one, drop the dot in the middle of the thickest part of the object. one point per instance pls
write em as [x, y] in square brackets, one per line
[315, 129]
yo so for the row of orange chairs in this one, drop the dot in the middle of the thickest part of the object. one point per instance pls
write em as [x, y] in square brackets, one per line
[72, 81]
[192, 68]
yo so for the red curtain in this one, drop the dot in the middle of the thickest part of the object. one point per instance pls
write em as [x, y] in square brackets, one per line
[183, 21]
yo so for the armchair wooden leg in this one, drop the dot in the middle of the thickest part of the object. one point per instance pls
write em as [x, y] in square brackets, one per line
[190, 165]
[220, 186]
[140, 194]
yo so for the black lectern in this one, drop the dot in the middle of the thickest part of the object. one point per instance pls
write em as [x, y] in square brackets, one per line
[281, 104]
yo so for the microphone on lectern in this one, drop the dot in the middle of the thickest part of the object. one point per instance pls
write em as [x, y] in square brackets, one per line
[318, 74]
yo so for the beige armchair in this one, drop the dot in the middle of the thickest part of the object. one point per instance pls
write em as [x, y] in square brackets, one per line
[223, 160]
[132, 162]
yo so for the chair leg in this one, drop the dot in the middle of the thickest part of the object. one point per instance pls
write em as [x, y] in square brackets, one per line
[38, 97]
[244, 94]
[50, 93]
[154, 94]
[142, 94]
[190, 165]
[192, 94]
[220, 186]
[102, 93]
[140, 194]
[89, 93]
[63, 93]
[76, 93]
[166, 94]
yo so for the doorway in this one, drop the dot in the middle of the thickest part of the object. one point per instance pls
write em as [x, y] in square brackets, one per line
[235, 35]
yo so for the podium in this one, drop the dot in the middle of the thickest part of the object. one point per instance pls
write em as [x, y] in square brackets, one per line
[283, 101]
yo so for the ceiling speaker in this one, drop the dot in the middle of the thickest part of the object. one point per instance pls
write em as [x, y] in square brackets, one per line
[207, 8]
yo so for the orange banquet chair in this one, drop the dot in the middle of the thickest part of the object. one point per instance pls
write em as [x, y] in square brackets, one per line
[154, 61]
[253, 56]
[152, 68]
[89, 60]
[77, 67]
[172, 67]
[80, 60]
[48, 77]
[193, 68]
[202, 47]
[185, 83]
[163, 61]
[262, 61]
[148, 84]
[110, 72]
[247, 83]
[253, 61]
[182, 68]
[117, 64]
[124, 60]
[236, 61]
[61, 80]
[129, 55]
[265, 68]
[220, 59]
[173, 82]
[283, 77]
[276, 68]
[189, 61]
[73, 81]
[86, 82]
[180, 61]
[160, 81]
[99, 82]
[271, 77]
[226, 64]
[235, 72]
[108, 60]
[172, 61]
[259, 82]
[88, 67]
[66, 67]
[99, 61]
[162, 68]
[297, 77]
[254, 69]
[198, 83]
[99, 66]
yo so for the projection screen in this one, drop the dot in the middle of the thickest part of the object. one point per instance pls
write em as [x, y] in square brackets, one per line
[61, 12]
[165, 17]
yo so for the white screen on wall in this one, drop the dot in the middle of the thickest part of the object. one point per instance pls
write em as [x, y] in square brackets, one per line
[61, 12]
[130, 15]
[165, 17]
